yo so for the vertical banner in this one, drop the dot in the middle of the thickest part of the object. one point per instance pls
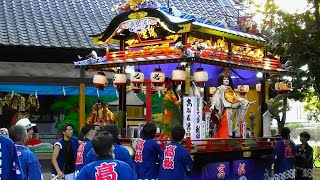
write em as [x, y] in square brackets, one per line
[189, 112]
[198, 125]
[192, 116]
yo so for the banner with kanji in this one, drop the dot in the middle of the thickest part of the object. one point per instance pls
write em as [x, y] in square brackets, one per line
[192, 116]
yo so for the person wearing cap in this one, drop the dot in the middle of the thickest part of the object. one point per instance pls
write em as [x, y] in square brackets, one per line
[64, 154]
[30, 164]
[25, 122]
[120, 152]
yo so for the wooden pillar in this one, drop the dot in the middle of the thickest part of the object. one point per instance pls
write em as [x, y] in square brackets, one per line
[123, 95]
[206, 94]
[82, 102]
[263, 108]
[148, 100]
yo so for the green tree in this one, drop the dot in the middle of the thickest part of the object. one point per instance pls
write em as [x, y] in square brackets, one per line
[296, 39]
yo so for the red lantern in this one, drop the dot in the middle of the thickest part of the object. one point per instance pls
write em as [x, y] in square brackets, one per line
[179, 75]
[157, 77]
[200, 76]
[119, 79]
[100, 80]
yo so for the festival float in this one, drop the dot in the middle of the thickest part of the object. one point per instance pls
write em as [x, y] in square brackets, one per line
[170, 50]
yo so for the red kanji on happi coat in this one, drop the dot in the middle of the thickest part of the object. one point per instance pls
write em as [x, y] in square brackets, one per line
[221, 174]
[139, 149]
[106, 171]
[80, 151]
[287, 150]
[169, 153]
[241, 169]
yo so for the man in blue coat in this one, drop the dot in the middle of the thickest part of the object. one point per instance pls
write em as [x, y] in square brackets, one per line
[87, 132]
[105, 167]
[64, 154]
[9, 162]
[175, 162]
[120, 152]
[30, 165]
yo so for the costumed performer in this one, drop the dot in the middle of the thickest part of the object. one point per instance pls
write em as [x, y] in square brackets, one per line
[172, 114]
[100, 115]
[228, 108]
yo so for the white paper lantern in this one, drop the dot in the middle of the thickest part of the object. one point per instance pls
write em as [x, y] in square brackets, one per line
[179, 75]
[157, 77]
[100, 80]
[119, 79]
[243, 89]
[200, 76]
[283, 87]
[258, 87]
[137, 78]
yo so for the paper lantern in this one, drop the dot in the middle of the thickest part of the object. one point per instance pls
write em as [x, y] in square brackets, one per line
[119, 78]
[243, 89]
[157, 77]
[212, 90]
[135, 88]
[137, 78]
[179, 75]
[283, 87]
[200, 76]
[258, 87]
[100, 80]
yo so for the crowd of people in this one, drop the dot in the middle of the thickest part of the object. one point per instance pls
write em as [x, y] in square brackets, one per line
[293, 161]
[98, 155]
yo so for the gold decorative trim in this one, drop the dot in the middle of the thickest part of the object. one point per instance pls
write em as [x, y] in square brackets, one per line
[138, 15]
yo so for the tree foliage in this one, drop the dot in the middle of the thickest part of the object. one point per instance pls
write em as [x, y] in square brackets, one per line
[296, 39]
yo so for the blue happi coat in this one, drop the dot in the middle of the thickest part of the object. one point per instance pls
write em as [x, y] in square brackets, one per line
[304, 162]
[82, 153]
[146, 158]
[30, 164]
[9, 162]
[175, 162]
[107, 169]
[284, 160]
[120, 153]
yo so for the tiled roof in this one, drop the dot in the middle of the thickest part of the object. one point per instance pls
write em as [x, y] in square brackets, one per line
[68, 23]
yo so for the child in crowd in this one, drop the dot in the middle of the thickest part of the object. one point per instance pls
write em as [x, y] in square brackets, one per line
[304, 158]
[105, 167]
[87, 132]
[147, 154]
[175, 159]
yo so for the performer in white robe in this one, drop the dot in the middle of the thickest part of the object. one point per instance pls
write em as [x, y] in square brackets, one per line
[229, 108]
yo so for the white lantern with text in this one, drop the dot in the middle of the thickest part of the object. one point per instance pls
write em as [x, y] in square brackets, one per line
[283, 87]
[137, 79]
[243, 89]
[258, 87]
[200, 76]
[179, 75]
[157, 77]
[119, 79]
[100, 80]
